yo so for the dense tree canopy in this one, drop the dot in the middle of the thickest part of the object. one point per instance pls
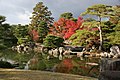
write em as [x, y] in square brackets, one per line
[6, 36]
[40, 22]
[84, 38]
[114, 36]
[83, 32]
[53, 41]
[21, 33]
[39, 33]
[65, 27]
[40, 13]
[99, 10]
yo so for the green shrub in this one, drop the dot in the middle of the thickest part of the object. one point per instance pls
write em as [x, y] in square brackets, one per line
[53, 41]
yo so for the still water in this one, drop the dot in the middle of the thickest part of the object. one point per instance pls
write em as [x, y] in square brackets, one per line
[87, 66]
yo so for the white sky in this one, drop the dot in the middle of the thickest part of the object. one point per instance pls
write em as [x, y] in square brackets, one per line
[19, 11]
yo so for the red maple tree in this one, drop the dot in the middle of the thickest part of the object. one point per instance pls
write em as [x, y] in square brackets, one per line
[65, 28]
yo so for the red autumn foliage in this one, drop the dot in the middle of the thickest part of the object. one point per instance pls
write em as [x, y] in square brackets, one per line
[68, 63]
[65, 66]
[65, 27]
[34, 35]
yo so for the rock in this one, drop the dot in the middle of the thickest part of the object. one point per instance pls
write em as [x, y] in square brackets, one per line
[55, 53]
[61, 49]
[60, 57]
[115, 50]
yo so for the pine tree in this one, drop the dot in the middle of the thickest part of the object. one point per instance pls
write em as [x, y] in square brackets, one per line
[41, 21]
[101, 11]
[41, 13]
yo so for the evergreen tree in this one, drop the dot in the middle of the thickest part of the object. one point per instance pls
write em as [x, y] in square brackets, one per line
[100, 11]
[21, 33]
[41, 13]
[7, 39]
[41, 21]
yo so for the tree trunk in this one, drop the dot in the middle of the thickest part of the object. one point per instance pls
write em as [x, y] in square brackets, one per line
[100, 33]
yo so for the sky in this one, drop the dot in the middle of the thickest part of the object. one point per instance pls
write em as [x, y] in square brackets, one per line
[19, 11]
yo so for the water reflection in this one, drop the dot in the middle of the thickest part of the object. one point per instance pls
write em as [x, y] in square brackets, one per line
[17, 59]
[22, 61]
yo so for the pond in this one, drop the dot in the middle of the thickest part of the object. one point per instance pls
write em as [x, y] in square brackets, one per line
[86, 67]
[15, 58]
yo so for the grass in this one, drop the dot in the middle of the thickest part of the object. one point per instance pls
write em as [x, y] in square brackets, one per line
[12, 74]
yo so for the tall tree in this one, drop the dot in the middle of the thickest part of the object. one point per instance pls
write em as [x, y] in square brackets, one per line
[41, 21]
[99, 10]
[40, 13]
[6, 36]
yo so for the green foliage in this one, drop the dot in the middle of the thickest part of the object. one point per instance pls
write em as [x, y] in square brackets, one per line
[107, 28]
[41, 20]
[114, 37]
[117, 27]
[7, 39]
[52, 41]
[100, 10]
[90, 24]
[2, 46]
[81, 37]
[110, 33]
[2, 19]
[40, 13]
[42, 30]
[21, 33]
[66, 15]
[116, 11]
